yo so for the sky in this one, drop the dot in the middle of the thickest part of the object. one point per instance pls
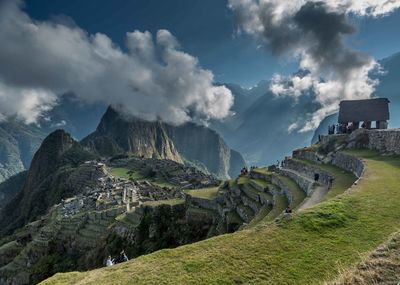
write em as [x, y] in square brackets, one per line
[166, 60]
[206, 30]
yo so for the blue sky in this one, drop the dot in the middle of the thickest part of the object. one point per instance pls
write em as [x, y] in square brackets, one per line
[205, 29]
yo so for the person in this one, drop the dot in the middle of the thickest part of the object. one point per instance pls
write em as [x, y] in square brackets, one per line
[330, 182]
[316, 177]
[123, 257]
[110, 261]
[288, 210]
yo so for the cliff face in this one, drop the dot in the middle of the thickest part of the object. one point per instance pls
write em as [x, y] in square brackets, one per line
[117, 135]
[18, 143]
[47, 180]
[197, 145]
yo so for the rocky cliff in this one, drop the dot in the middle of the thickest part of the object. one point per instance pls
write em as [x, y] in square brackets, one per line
[196, 145]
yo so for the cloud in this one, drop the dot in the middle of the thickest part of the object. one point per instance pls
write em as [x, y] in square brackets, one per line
[153, 79]
[314, 32]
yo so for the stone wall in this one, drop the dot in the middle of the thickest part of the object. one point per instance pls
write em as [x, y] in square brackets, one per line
[349, 163]
[327, 138]
[285, 190]
[304, 183]
[305, 154]
[385, 141]
[202, 203]
[309, 170]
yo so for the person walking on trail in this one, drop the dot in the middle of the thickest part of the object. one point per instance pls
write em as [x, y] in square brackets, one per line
[110, 261]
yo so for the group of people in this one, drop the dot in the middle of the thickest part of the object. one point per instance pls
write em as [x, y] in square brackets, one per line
[122, 257]
[346, 128]
[340, 129]
[244, 171]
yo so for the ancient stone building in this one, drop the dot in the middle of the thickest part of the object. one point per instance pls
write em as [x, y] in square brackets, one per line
[364, 113]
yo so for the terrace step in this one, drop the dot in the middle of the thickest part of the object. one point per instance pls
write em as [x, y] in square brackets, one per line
[280, 204]
[245, 213]
[294, 194]
[303, 181]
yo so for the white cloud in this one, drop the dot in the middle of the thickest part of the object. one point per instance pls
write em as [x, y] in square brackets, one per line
[154, 79]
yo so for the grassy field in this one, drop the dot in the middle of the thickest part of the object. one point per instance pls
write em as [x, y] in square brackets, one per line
[308, 249]
[205, 193]
[136, 175]
[126, 173]
[170, 202]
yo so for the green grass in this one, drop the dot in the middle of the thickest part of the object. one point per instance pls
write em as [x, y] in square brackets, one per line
[263, 171]
[126, 173]
[162, 183]
[343, 179]
[243, 180]
[233, 218]
[205, 193]
[314, 246]
[280, 205]
[298, 194]
[170, 202]
[261, 182]
[261, 215]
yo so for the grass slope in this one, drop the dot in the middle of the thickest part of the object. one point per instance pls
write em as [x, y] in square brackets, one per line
[205, 193]
[310, 248]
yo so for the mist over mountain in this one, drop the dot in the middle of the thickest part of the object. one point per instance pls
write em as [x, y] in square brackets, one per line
[18, 144]
[268, 129]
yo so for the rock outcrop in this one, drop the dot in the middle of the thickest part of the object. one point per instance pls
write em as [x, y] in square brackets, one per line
[190, 143]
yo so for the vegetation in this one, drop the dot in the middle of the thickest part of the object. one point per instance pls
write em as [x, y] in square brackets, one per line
[170, 202]
[310, 248]
[205, 193]
[126, 173]
[132, 174]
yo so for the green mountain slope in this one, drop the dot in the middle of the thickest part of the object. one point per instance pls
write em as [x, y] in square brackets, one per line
[308, 249]
[47, 180]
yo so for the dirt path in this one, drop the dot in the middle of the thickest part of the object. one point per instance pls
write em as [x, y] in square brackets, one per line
[316, 197]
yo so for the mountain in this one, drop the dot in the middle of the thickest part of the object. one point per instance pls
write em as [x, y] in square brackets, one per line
[261, 132]
[47, 181]
[18, 143]
[190, 143]
[323, 126]
[389, 87]
[260, 129]
[77, 118]
[11, 187]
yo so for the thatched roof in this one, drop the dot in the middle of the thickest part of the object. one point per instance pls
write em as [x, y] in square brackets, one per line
[364, 110]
